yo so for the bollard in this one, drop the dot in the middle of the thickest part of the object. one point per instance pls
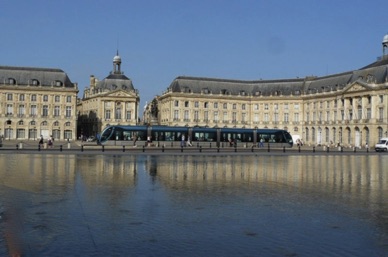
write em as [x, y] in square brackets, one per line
[298, 148]
[82, 148]
[181, 149]
[284, 149]
[200, 149]
[143, 148]
[313, 149]
[367, 149]
[268, 147]
[123, 148]
[171, 144]
[163, 148]
[342, 149]
[222, 145]
[218, 149]
[354, 149]
[17, 147]
[39, 147]
[327, 149]
[103, 148]
[60, 148]
[210, 145]
[252, 148]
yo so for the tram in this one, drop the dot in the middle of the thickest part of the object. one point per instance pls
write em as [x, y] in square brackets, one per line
[168, 136]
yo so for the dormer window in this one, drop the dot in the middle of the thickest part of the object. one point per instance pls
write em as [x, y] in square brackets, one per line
[258, 93]
[12, 81]
[58, 83]
[35, 82]
[242, 92]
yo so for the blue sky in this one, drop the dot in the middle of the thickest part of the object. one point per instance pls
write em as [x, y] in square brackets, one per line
[159, 40]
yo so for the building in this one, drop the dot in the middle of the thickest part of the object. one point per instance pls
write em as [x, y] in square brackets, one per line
[349, 108]
[35, 102]
[111, 101]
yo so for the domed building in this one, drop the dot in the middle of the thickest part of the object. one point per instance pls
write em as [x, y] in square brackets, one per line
[111, 101]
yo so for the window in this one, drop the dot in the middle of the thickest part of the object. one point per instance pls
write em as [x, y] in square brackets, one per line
[45, 110]
[275, 106]
[286, 106]
[35, 82]
[368, 113]
[215, 116]
[256, 107]
[176, 103]
[266, 117]
[12, 81]
[56, 123]
[21, 110]
[359, 112]
[9, 97]
[234, 106]
[296, 117]
[206, 116]
[186, 103]
[225, 117]
[196, 116]
[196, 104]
[215, 105]
[381, 98]
[118, 113]
[107, 114]
[68, 99]
[129, 115]
[265, 106]
[33, 110]
[276, 117]
[225, 106]
[234, 116]
[45, 98]
[56, 111]
[68, 111]
[296, 106]
[243, 106]
[381, 114]
[21, 97]
[286, 117]
[186, 115]
[57, 98]
[205, 105]
[256, 117]
[176, 115]
[243, 117]
[33, 98]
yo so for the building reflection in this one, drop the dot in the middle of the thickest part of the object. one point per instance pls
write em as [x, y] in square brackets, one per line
[348, 178]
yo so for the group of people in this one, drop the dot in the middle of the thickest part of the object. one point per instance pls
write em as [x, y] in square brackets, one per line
[50, 141]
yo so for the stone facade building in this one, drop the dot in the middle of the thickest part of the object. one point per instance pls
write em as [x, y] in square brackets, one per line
[35, 102]
[111, 101]
[349, 108]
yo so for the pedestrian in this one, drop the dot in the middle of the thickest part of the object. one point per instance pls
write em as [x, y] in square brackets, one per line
[41, 140]
[51, 141]
[183, 140]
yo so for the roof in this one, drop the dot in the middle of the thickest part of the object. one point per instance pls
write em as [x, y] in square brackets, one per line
[24, 76]
[116, 81]
[376, 72]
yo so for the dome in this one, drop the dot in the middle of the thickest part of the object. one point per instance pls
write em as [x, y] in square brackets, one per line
[117, 59]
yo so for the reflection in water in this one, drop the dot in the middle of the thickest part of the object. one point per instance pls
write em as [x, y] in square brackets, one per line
[212, 205]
